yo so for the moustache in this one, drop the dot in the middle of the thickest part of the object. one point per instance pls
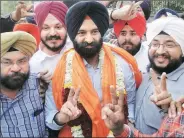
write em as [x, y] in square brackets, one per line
[55, 37]
[163, 55]
[127, 43]
[17, 74]
[85, 44]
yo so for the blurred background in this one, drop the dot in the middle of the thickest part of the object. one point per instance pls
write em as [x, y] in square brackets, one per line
[177, 5]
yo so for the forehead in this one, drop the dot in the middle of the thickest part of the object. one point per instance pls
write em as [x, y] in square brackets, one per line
[88, 24]
[14, 55]
[127, 28]
[163, 37]
[51, 20]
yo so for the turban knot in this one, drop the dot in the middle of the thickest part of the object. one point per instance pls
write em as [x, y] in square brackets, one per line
[138, 24]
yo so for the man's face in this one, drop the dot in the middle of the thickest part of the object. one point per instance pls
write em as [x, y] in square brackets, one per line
[167, 57]
[129, 40]
[88, 41]
[53, 33]
[14, 70]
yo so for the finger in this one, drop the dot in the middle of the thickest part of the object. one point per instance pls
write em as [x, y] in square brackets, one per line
[67, 112]
[154, 77]
[179, 108]
[43, 72]
[169, 113]
[76, 95]
[103, 112]
[121, 99]
[29, 14]
[163, 82]
[29, 7]
[71, 94]
[163, 96]
[130, 8]
[113, 95]
[46, 76]
[166, 101]
[181, 100]
[107, 113]
[153, 98]
[172, 109]
[71, 107]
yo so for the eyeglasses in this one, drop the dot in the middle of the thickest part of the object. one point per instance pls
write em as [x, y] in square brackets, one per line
[9, 63]
[167, 45]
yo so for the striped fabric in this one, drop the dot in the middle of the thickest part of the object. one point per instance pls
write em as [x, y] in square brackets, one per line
[24, 115]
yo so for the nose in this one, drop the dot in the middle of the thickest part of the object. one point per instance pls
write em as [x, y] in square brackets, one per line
[52, 32]
[15, 68]
[89, 38]
[160, 49]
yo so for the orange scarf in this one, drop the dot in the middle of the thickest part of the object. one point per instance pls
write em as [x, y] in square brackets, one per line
[88, 96]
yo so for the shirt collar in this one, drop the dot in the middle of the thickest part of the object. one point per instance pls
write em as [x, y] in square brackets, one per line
[88, 65]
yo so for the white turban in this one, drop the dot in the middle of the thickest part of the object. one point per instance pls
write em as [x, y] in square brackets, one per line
[173, 26]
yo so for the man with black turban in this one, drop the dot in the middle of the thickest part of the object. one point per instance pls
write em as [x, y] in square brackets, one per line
[88, 74]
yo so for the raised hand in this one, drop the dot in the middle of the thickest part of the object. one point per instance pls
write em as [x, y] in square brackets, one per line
[69, 111]
[127, 12]
[161, 96]
[22, 10]
[113, 113]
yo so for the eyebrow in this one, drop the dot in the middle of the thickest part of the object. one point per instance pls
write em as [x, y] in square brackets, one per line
[10, 59]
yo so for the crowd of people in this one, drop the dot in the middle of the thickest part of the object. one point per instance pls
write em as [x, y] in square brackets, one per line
[91, 69]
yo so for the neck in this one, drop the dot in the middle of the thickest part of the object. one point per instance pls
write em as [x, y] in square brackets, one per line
[93, 61]
[9, 93]
[48, 51]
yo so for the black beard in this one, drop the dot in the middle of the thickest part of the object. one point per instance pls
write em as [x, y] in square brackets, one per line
[173, 64]
[88, 52]
[12, 83]
[54, 49]
[132, 51]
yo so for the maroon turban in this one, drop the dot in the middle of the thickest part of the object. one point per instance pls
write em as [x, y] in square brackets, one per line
[138, 24]
[56, 8]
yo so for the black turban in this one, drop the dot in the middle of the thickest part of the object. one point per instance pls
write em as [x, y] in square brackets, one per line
[77, 13]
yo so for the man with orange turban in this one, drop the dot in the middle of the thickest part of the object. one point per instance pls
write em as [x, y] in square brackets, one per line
[93, 67]
[29, 28]
[129, 34]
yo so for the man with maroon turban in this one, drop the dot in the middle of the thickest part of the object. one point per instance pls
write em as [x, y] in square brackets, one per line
[129, 35]
[50, 18]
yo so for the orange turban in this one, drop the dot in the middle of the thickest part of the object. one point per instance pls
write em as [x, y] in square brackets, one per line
[29, 28]
[138, 24]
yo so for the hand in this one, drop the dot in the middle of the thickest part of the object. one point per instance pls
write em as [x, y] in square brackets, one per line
[114, 41]
[161, 96]
[45, 75]
[127, 12]
[176, 108]
[22, 10]
[69, 110]
[113, 113]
